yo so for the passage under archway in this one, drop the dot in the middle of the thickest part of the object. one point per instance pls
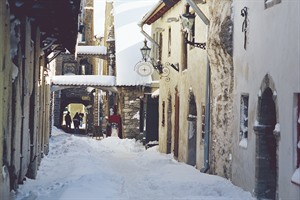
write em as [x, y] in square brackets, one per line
[74, 108]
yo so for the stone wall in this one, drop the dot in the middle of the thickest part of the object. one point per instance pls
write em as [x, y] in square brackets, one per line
[130, 106]
[220, 56]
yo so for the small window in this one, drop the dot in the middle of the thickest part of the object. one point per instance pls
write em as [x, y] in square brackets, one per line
[157, 48]
[203, 121]
[244, 120]
[82, 69]
[295, 176]
[163, 114]
[169, 42]
[160, 46]
[82, 31]
[153, 46]
[192, 36]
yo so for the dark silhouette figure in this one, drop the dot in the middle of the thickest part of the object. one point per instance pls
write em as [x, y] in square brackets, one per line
[68, 120]
[76, 122]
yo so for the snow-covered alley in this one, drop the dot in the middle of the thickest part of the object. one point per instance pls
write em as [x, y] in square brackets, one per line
[80, 167]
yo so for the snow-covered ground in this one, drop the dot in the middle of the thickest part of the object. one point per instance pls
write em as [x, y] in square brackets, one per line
[83, 168]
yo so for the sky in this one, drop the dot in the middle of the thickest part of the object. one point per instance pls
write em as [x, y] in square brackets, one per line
[83, 168]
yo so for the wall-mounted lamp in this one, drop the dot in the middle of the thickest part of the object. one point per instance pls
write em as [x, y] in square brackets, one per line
[146, 56]
[187, 21]
[144, 68]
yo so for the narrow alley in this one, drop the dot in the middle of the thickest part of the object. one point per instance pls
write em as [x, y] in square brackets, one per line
[200, 98]
[79, 167]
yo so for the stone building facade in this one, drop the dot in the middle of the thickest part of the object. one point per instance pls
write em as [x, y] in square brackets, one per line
[266, 157]
[182, 88]
[251, 104]
[80, 64]
[27, 48]
[128, 100]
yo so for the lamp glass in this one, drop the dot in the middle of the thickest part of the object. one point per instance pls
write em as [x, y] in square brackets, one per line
[187, 19]
[145, 51]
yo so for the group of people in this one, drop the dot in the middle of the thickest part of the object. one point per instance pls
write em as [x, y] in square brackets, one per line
[77, 121]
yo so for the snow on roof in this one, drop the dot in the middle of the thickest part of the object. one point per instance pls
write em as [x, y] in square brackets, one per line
[91, 50]
[86, 80]
[127, 14]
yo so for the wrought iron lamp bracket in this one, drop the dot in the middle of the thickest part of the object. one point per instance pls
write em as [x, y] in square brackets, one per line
[201, 45]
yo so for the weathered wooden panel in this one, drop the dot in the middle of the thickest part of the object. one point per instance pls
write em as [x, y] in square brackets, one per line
[27, 73]
[5, 95]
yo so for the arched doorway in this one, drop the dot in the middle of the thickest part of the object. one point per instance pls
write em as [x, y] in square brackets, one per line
[266, 144]
[192, 130]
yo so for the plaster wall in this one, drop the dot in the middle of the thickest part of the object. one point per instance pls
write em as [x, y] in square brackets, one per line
[272, 48]
[190, 79]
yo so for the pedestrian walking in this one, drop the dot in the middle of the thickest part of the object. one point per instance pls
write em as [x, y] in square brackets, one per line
[76, 122]
[68, 120]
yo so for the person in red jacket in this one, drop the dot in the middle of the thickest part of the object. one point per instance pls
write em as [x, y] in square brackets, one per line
[116, 119]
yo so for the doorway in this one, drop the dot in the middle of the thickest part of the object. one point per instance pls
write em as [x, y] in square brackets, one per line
[169, 125]
[192, 131]
[176, 125]
[266, 148]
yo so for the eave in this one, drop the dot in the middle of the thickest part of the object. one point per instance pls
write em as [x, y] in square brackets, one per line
[159, 11]
[57, 19]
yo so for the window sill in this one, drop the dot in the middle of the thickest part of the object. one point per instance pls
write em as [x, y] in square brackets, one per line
[271, 3]
[296, 177]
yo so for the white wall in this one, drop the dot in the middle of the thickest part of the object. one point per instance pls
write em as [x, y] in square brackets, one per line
[272, 48]
[129, 40]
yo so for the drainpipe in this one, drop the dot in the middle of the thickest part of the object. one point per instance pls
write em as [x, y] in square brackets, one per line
[142, 23]
[207, 92]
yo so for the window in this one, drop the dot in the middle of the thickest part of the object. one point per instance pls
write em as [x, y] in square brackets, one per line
[82, 31]
[163, 114]
[169, 42]
[192, 36]
[244, 120]
[203, 121]
[160, 46]
[153, 46]
[82, 69]
[295, 177]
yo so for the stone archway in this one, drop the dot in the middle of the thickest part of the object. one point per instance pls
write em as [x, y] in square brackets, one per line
[266, 166]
